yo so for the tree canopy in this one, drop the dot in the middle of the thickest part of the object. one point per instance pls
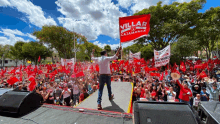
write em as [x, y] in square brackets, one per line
[170, 22]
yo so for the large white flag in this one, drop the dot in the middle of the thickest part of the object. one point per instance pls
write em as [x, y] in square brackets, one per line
[65, 61]
[134, 55]
[162, 57]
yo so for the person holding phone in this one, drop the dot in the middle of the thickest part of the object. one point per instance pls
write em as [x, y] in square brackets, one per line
[105, 73]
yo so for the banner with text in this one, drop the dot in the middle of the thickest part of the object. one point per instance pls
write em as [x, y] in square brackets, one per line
[66, 61]
[162, 57]
[134, 27]
[134, 55]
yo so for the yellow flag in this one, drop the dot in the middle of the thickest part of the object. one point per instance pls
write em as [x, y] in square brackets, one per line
[128, 71]
[120, 72]
[118, 59]
[91, 61]
[29, 62]
[113, 62]
[133, 72]
[48, 63]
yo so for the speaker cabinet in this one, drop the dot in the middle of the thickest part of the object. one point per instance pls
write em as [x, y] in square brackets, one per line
[209, 112]
[162, 113]
[19, 102]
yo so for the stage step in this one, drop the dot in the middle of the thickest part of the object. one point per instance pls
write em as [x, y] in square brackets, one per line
[122, 98]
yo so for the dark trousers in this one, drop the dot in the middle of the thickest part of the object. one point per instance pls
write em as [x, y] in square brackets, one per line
[67, 101]
[102, 80]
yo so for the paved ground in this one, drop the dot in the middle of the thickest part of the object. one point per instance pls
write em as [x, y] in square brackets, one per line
[122, 94]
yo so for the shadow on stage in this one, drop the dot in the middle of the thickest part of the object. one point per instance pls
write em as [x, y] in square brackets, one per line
[114, 107]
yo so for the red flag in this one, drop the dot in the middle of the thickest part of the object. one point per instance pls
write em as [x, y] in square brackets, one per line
[39, 59]
[161, 77]
[80, 74]
[134, 27]
[97, 68]
[166, 72]
[182, 66]
[155, 74]
[12, 80]
[202, 74]
[32, 85]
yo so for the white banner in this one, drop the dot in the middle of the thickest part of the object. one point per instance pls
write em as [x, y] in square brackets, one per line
[162, 57]
[65, 61]
[134, 55]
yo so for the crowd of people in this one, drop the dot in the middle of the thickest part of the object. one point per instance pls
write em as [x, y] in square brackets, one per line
[60, 88]
[187, 88]
[63, 87]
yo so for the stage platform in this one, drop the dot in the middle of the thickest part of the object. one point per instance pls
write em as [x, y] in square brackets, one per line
[50, 114]
[122, 98]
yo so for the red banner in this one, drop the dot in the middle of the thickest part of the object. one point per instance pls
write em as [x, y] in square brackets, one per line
[134, 27]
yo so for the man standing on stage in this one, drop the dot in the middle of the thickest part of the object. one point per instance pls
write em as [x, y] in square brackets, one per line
[105, 74]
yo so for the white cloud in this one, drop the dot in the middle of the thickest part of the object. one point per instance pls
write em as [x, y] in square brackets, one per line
[34, 13]
[125, 3]
[113, 46]
[139, 5]
[4, 3]
[15, 32]
[108, 40]
[12, 36]
[90, 17]
[94, 17]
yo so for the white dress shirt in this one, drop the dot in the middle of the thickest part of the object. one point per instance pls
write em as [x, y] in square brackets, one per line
[104, 63]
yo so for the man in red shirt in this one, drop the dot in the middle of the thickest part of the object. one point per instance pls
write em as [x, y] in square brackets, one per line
[185, 92]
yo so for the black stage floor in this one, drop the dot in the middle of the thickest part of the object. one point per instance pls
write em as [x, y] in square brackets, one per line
[48, 114]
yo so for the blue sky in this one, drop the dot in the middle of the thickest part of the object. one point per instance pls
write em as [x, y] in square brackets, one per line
[96, 19]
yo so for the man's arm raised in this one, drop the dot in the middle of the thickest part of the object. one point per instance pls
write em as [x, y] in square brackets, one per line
[115, 56]
[92, 56]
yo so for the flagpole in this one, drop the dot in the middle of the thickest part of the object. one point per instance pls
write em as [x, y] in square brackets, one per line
[121, 50]
[120, 36]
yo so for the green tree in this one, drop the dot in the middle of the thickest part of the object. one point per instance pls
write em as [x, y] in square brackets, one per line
[184, 47]
[88, 47]
[133, 48]
[107, 48]
[170, 22]
[207, 33]
[147, 52]
[32, 50]
[59, 38]
[4, 52]
[16, 52]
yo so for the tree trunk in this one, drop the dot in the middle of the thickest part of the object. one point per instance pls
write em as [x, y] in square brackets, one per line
[16, 63]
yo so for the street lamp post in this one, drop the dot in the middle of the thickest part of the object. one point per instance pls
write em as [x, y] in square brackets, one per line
[74, 47]
[2, 59]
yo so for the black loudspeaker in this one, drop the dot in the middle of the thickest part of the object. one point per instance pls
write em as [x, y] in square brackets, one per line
[19, 102]
[3, 90]
[209, 112]
[162, 113]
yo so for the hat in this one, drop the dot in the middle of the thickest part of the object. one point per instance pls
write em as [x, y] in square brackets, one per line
[185, 76]
[196, 86]
[175, 76]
